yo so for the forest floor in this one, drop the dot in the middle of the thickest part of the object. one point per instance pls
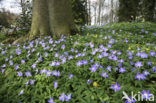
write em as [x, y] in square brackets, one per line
[96, 66]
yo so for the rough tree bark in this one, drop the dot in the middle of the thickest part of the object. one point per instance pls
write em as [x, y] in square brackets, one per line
[40, 20]
[52, 17]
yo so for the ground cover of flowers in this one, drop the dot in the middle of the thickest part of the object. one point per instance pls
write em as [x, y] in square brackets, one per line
[94, 67]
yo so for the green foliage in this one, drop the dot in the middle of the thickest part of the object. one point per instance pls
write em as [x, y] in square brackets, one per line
[79, 11]
[2, 37]
[24, 21]
[148, 9]
[6, 18]
[3, 19]
[136, 10]
[128, 10]
[131, 37]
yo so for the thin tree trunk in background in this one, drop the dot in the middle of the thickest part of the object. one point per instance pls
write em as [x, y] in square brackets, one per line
[103, 8]
[99, 12]
[112, 12]
[87, 15]
[22, 6]
[52, 17]
[116, 11]
[89, 12]
[95, 15]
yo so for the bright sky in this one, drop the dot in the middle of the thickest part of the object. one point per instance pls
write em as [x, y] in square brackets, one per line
[10, 5]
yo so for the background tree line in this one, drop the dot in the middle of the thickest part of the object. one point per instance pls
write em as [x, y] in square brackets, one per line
[120, 10]
[131, 10]
[104, 11]
[109, 11]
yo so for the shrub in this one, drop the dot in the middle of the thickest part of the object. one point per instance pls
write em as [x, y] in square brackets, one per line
[6, 18]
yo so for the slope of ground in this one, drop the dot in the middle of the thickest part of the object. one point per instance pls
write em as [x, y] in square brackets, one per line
[94, 67]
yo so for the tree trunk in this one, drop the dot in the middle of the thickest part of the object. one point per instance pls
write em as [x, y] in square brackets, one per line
[99, 11]
[112, 12]
[95, 15]
[89, 12]
[102, 14]
[40, 20]
[52, 17]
